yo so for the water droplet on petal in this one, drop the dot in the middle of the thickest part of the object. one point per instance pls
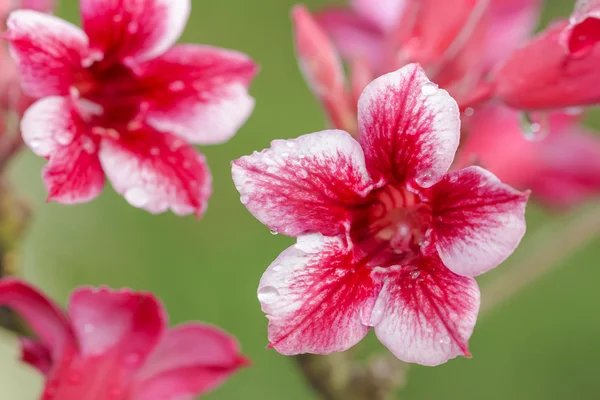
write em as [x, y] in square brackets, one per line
[64, 137]
[274, 232]
[35, 143]
[88, 144]
[469, 112]
[118, 18]
[534, 130]
[445, 339]
[429, 89]
[268, 294]
[244, 199]
[415, 274]
[155, 151]
[133, 27]
[137, 196]
[303, 173]
[277, 267]
[176, 86]
[290, 144]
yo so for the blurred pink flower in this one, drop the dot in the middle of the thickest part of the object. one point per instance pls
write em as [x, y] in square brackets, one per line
[118, 99]
[463, 45]
[386, 237]
[116, 345]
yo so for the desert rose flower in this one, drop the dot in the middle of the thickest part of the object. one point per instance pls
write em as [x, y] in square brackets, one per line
[115, 345]
[386, 237]
[119, 99]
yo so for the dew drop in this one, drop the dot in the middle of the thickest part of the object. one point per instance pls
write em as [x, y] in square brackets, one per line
[244, 199]
[415, 274]
[429, 89]
[176, 86]
[268, 294]
[35, 143]
[290, 144]
[133, 27]
[303, 173]
[118, 18]
[64, 137]
[274, 232]
[445, 339]
[277, 267]
[469, 112]
[534, 130]
[155, 151]
[88, 328]
[285, 154]
[137, 197]
[88, 144]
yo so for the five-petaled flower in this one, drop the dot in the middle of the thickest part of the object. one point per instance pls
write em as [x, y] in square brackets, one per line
[114, 344]
[386, 237]
[471, 49]
[118, 99]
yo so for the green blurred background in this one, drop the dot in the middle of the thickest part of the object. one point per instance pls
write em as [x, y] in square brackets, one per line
[542, 344]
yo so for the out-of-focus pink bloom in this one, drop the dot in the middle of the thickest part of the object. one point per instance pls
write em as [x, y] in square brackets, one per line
[562, 170]
[119, 99]
[557, 68]
[471, 49]
[386, 238]
[114, 344]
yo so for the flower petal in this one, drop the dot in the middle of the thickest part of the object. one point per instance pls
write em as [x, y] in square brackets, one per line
[198, 92]
[52, 128]
[139, 29]
[477, 220]
[39, 5]
[309, 184]
[409, 129]
[157, 171]
[384, 13]
[540, 75]
[569, 168]
[428, 313]
[48, 51]
[191, 359]
[583, 31]
[45, 317]
[106, 319]
[353, 35]
[322, 69]
[36, 354]
[314, 296]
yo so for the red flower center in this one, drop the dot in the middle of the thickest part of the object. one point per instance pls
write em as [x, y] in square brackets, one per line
[395, 222]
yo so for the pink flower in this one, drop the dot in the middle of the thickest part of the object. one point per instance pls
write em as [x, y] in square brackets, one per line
[120, 100]
[558, 67]
[116, 345]
[386, 238]
[462, 44]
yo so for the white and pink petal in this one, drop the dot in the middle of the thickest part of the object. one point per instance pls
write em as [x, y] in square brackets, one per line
[198, 92]
[52, 128]
[409, 128]
[426, 313]
[308, 184]
[157, 171]
[477, 220]
[48, 51]
[315, 298]
[134, 29]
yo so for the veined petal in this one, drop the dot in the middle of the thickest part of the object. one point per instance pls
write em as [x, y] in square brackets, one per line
[106, 319]
[309, 184]
[353, 35]
[52, 128]
[48, 51]
[477, 220]
[45, 317]
[409, 128]
[314, 297]
[384, 13]
[428, 312]
[198, 92]
[583, 31]
[157, 171]
[137, 29]
[191, 359]
[322, 69]
[540, 75]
